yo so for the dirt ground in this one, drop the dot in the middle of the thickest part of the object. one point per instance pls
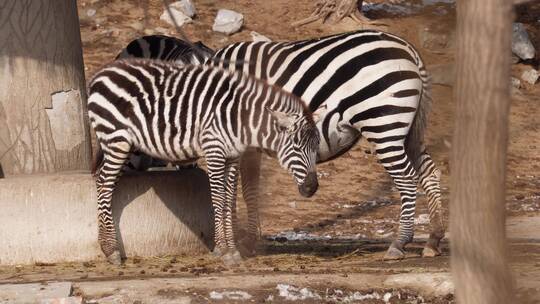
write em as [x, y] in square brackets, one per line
[355, 212]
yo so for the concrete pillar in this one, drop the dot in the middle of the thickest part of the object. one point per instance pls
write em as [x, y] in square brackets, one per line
[53, 218]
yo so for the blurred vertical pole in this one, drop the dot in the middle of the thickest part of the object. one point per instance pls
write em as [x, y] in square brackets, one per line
[478, 161]
[43, 124]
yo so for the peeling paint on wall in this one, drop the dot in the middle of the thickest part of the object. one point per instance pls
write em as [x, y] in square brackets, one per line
[65, 119]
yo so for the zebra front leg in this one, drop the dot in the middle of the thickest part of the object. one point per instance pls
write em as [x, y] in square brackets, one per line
[250, 168]
[230, 221]
[216, 164]
[430, 178]
[107, 176]
[397, 164]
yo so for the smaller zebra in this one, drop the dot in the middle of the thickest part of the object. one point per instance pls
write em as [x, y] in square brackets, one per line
[169, 49]
[183, 112]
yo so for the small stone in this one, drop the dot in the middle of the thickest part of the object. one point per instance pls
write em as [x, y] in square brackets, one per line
[185, 6]
[516, 83]
[530, 76]
[423, 219]
[228, 22]
[90, 12]
[276, 269]
[259, 37]
[521, 44]
[520, 197]
[142, 271]
[292, 204]
[177, 15]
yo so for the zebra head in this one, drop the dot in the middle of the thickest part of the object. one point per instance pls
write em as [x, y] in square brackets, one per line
[298, 149]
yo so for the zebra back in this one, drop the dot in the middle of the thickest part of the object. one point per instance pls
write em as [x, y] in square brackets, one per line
[166, 48]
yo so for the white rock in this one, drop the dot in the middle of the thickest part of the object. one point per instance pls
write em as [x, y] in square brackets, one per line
[516, 83]
[185, 6]
[228, 22]
[423, 219]
[259, 37]
[530, 76]
[521, 44]
[292, 204]
[180, 17]
[90, 12]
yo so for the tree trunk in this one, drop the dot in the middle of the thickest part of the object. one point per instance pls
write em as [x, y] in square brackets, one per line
[43, 124]
[478, 246]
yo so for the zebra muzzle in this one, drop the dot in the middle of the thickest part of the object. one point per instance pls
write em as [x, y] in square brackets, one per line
[310, 186]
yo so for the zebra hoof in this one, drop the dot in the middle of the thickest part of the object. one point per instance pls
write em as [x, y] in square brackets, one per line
[430, 252]
[115, 258]
[231, 259]
[218, 252]
[394, 253]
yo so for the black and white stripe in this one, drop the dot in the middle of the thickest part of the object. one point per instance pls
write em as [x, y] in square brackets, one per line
[374, 85]
[182, 112]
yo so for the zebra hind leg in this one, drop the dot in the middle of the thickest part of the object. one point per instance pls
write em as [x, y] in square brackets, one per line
[108, 174]
[430, 181]
[232, 256]
[398, 165]
[216, 165]
[250, 167]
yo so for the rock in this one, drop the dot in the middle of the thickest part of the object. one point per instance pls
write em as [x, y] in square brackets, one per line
[530, 76]
[292, 204]
[178, 16]
[516, 83]
[431, 284]
[521, 44]
[228, 22]
[185, 6]
[90, 12]
[422, 219]
[258, 37]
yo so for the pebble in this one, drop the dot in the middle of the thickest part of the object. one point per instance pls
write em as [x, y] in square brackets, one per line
[178, 16]
[530, 76]
[90, 12]
[521, 44]
[185, 6]
[259, 37]
[516, 83]
[228, 22]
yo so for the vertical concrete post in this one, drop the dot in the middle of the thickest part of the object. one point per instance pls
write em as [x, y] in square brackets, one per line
[43, 126]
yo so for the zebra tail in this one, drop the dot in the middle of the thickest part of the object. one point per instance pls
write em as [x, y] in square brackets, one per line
[414, 143]
[97, 161]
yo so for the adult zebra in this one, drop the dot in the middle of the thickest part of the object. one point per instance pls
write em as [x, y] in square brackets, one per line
[184, 112]
[374, 84]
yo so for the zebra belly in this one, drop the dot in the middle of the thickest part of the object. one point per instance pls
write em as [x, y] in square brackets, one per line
[169, 148]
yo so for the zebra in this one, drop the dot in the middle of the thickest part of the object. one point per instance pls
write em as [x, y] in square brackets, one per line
[169, 49]
[184, 112]
[374, 85]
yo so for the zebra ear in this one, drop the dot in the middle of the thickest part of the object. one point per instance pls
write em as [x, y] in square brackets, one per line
[283, 120]
[319, 113]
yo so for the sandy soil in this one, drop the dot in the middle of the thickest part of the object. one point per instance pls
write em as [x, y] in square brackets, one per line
[356, 200]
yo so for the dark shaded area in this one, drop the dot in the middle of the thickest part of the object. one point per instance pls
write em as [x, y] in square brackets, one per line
[193, 183]
[1, 172]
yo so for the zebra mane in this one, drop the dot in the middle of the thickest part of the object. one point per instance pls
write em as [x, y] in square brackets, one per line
[295, 101]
